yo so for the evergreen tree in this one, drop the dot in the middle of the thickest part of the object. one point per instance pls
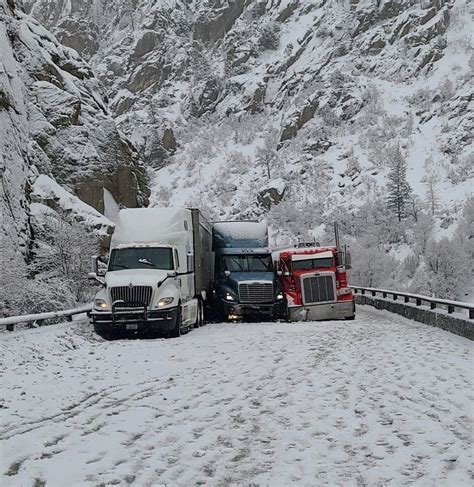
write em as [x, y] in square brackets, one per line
[398, 189]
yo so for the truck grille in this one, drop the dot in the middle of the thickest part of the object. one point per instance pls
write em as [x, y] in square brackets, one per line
[318, 289]
[132, 296]
[256, 292]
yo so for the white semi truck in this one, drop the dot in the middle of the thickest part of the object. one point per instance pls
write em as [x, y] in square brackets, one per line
[159, 273]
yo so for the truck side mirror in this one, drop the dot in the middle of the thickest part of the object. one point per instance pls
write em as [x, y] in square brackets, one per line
[171, 274]
[99, 272]
[95, 277]
[227, 273]
[279, 272]
[286, 274]
[98, 269]
[348, 260]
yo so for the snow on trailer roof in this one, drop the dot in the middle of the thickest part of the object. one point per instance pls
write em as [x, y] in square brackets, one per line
[167, 226]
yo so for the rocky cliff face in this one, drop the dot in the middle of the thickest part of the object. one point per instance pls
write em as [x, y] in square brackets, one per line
[224, 97]
[54, 120]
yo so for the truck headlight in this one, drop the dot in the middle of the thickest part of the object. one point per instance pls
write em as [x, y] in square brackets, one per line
[100, 304]
[279, 296]
[229, 297]
[165, 301]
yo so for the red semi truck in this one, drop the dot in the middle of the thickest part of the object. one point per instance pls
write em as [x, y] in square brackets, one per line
[314, 282]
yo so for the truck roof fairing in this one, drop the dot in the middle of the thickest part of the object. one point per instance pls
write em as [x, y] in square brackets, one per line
[153, 225]
[240, 234]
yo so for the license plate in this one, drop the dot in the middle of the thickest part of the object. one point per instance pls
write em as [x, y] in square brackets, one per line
[131, 327]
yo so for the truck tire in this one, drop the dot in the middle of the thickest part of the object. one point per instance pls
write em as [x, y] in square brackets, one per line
[103, 334]
[200, 319]
[176, 331]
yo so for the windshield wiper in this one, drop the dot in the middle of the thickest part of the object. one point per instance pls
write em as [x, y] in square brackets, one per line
[121, 266]
[236, 262]
[146, 262]
[264, 262]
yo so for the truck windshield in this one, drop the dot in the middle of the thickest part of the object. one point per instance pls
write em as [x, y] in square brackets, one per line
[248, 263]
[141, 258]
[301, 265]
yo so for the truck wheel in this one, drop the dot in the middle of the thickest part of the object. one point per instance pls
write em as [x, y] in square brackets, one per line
[176, 331]
[103, 334]
[200, 314]
[198, 322]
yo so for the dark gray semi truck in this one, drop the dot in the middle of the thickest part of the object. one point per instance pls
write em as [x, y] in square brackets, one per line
[245, 284]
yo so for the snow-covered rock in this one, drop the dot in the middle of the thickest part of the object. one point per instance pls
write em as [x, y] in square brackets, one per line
[68, 130]
[322, 74]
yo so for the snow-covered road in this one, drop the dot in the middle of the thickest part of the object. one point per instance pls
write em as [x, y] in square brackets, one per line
[380, 400]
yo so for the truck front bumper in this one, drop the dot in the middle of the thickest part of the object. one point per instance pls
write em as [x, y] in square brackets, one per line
[140, 320]
[341, 310]
[237, 310]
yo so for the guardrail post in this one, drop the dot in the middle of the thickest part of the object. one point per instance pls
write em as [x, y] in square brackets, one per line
[395, 297]
[362, 291]
[418, 301]
[450, 309]
[406, 299]
[373, 293]
[384, 295]
[69, 318]
[432, 305]
[10, 327]
[471, 314]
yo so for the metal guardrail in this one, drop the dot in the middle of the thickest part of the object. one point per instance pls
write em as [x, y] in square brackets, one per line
[39, 318]
[418, 300]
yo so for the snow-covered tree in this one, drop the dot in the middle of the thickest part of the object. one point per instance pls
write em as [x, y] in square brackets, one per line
[422, 232]
[372, 266]
[63, 251]
[446, 264]
[398, 189]
[267, 155]
[431, 179]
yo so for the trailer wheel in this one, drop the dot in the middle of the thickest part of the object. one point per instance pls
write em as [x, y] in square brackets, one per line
[176, 331]
[200, 321]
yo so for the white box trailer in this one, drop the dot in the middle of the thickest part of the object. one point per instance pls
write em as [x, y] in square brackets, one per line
[159, 272]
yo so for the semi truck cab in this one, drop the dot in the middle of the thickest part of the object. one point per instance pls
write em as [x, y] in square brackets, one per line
[245, 281]
[314, 281]
[159, 272]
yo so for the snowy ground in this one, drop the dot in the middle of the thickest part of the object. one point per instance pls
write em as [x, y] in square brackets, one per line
[380, 400]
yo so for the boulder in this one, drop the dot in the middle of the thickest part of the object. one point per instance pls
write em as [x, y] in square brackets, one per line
[272, 194]
[168, 141]
[213, 26]
[145, 44]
